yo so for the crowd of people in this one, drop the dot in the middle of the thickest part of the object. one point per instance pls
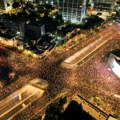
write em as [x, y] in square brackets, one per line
[92, 78]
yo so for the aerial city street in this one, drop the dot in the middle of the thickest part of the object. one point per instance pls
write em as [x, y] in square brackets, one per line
[59, 59]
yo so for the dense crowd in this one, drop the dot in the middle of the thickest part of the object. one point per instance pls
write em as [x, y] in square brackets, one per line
[92, 78]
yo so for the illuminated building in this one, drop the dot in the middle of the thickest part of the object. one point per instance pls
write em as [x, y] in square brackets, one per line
[72, 10]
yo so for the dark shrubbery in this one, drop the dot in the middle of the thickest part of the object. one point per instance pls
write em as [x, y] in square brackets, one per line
[74, 111]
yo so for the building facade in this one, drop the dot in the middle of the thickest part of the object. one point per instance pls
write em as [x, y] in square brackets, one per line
[72, 10]
[104, 5]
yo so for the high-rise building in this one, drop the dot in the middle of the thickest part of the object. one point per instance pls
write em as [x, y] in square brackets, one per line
[71, 10]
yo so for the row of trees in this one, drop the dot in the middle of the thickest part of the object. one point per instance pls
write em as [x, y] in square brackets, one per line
[74, 111]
